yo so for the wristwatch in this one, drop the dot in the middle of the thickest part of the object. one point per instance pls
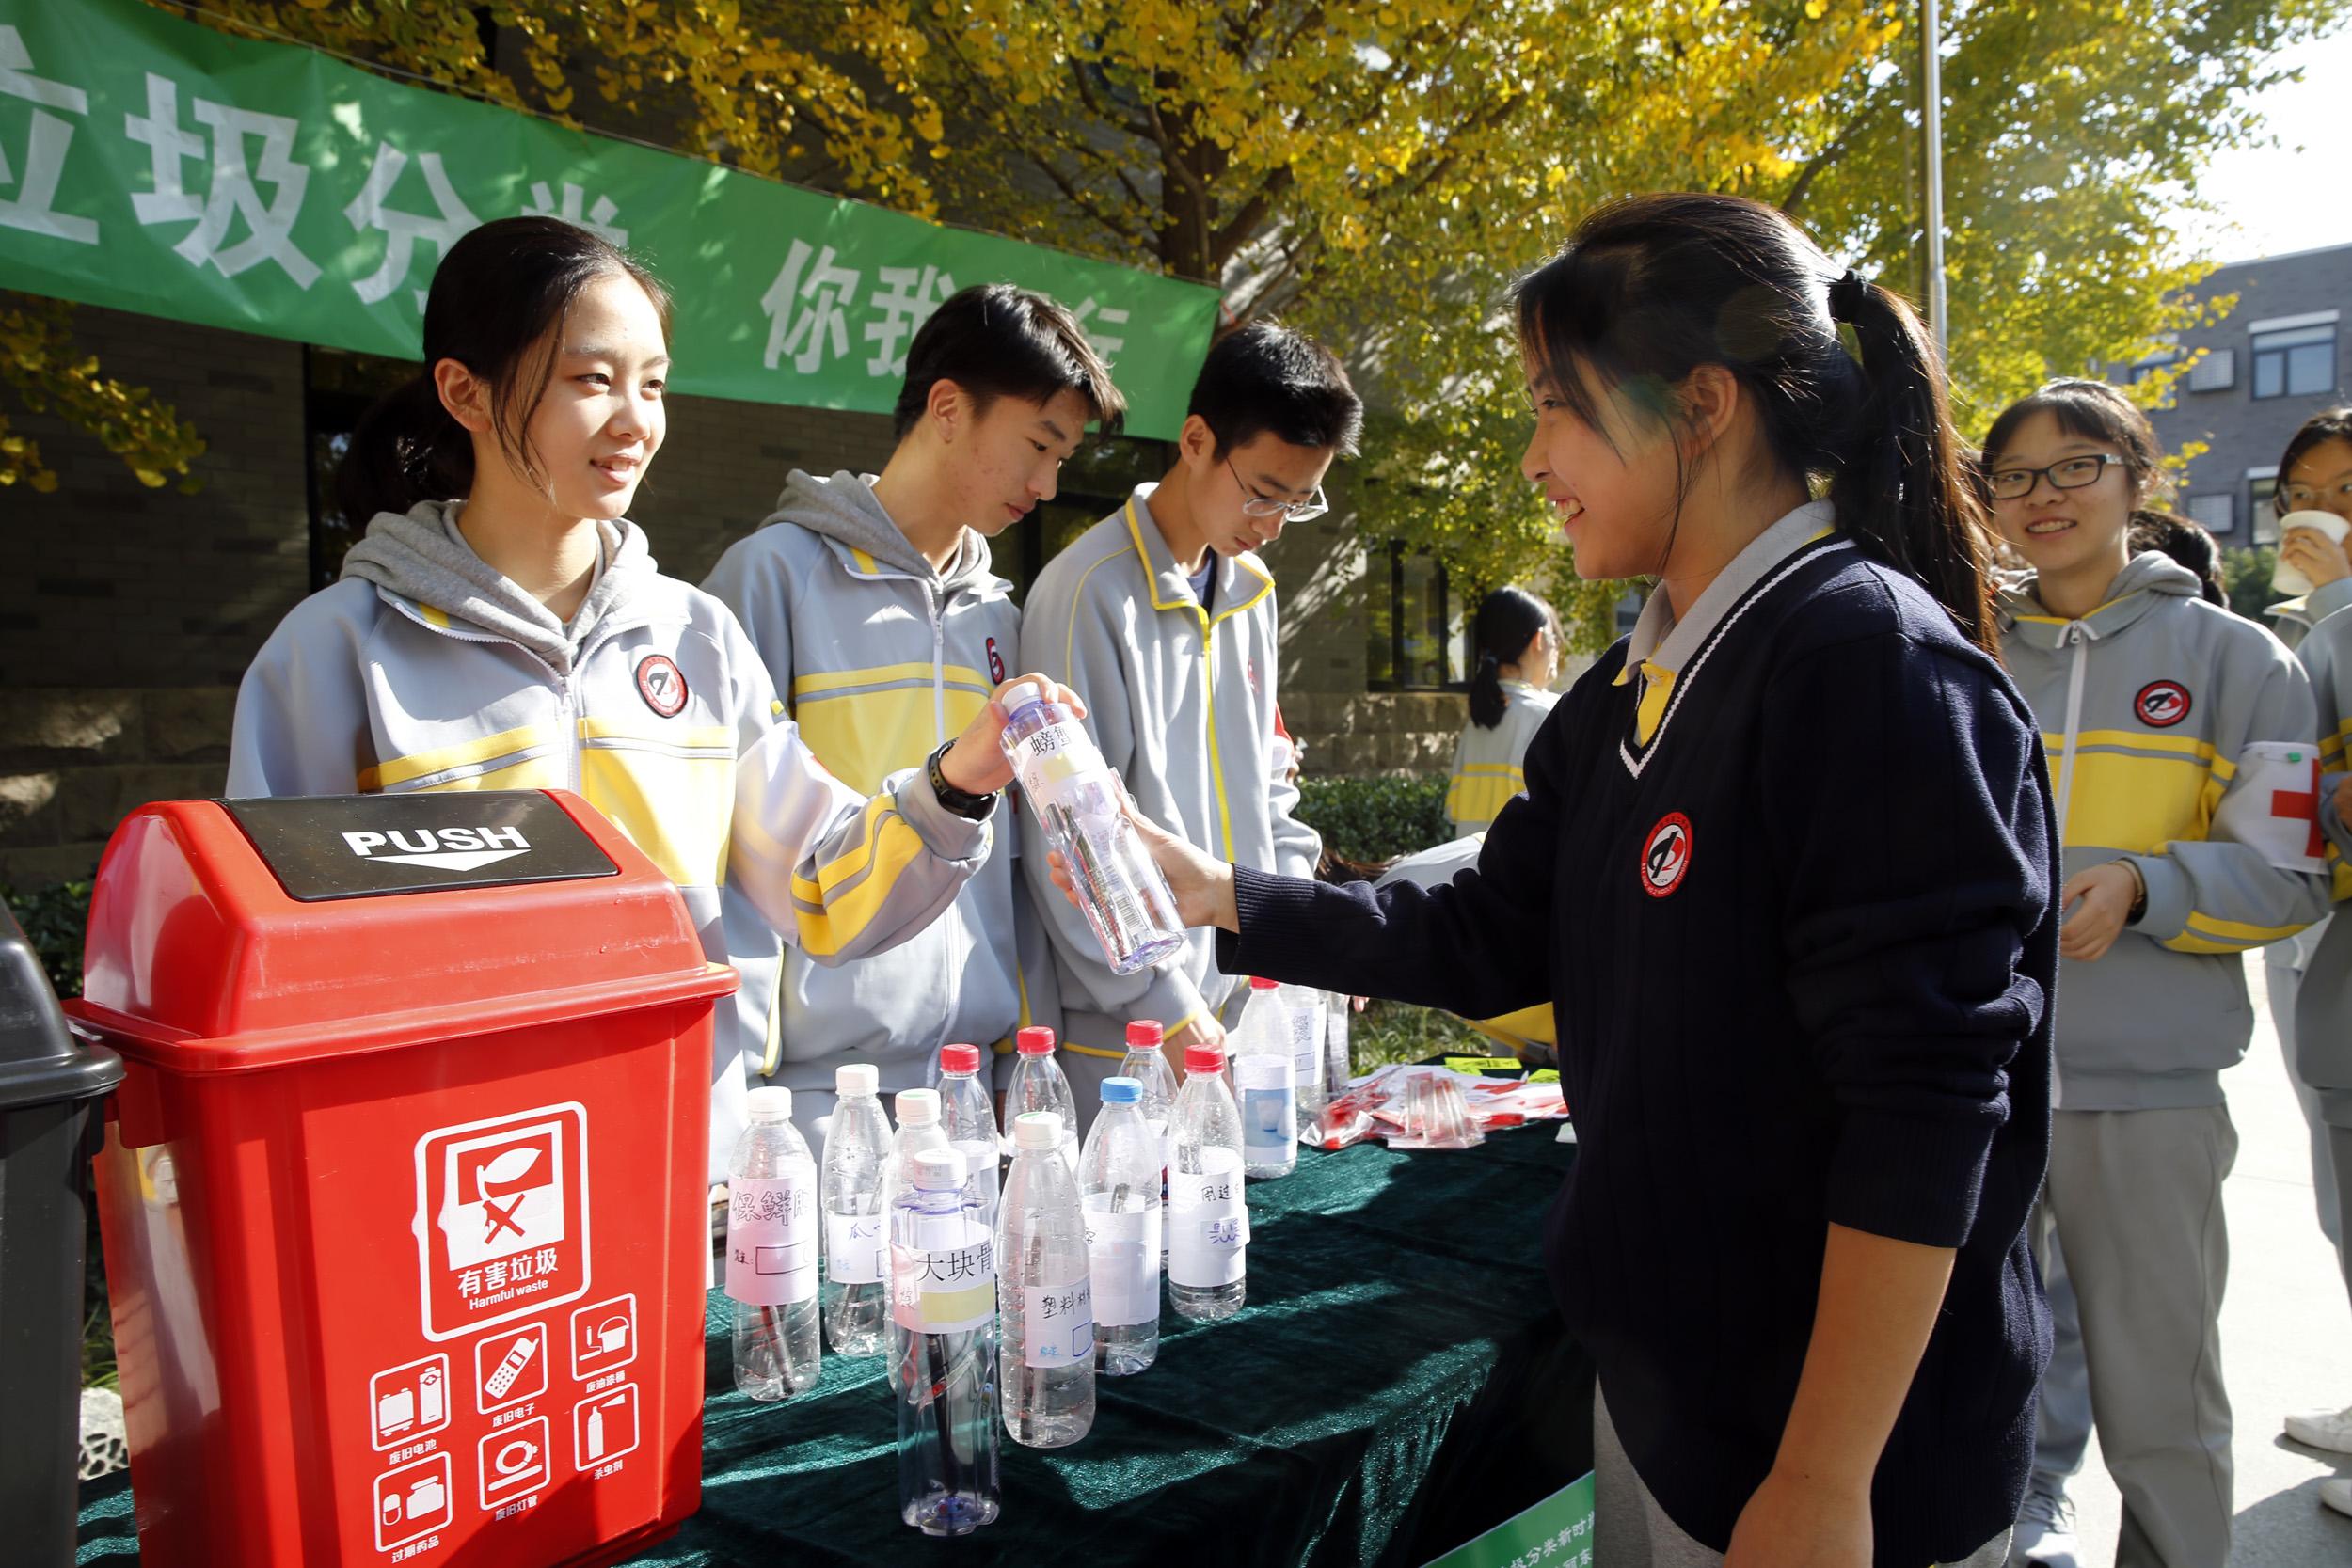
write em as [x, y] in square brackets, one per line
[2139, 899]
[962, 802]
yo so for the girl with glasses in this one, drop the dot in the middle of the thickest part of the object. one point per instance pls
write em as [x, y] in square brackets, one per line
[2175, 729]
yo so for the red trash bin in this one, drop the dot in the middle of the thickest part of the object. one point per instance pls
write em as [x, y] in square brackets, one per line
[404, 1206]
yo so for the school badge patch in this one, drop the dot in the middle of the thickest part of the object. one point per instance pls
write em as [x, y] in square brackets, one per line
[659, 682]
[1666, 855]
[2161, 705]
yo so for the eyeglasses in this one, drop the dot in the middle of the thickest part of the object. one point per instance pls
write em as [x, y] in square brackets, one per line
[2306, 497]
[2072, 473]
[1256, 505]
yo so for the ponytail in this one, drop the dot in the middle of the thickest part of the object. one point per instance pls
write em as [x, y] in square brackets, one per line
[1652, 287]
[1903, 488]
[1508, 619]
[406, 449]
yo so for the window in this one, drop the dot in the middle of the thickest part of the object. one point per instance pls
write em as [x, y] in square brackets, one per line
[2216, 372]
[2261, 484]
[1418, 639]
[2215, 514]
[2294, 356]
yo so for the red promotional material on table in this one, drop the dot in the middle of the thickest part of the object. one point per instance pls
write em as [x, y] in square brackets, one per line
[404, 1206]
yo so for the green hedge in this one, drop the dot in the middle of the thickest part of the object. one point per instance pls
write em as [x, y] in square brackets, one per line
[1376, 818]
[54, 920]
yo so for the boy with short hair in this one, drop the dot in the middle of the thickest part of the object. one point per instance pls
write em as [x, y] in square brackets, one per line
[871, 602]
[1162, 618]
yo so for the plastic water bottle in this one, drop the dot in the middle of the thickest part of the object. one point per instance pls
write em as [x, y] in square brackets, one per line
[1044, 1292]
[1208, 1217]
[1265, 1076]
[943, 1349]
[1038, 1085]
[967, 1113]
[1341, 1064]
[1146, 1064]
[1081, 803]
[1305, 1006]
[854, 1291]
[771, 1252]
[1119, 1181]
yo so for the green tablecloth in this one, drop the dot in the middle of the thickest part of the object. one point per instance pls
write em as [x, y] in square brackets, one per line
[1397, 1384]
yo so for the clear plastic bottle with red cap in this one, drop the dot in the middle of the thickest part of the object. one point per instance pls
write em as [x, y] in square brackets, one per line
[854, 1291]
[1146, 1064]
[967, 1113]
[1081, 803]
[1040, 1085]
[1265, 1075]
[1208, 1214]
[1046, 1294]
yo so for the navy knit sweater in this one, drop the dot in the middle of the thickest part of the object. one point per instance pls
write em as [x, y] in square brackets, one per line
[1801, 949]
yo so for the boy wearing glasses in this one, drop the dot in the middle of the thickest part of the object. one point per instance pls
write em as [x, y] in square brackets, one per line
[1163, 618]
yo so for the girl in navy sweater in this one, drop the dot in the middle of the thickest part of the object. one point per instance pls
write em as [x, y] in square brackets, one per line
[1783, 871]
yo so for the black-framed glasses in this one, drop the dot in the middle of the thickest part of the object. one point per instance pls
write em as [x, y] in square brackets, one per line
[1256, 505]
[2070, 473]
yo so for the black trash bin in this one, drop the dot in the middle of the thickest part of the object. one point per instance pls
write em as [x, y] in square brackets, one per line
[50, 1084]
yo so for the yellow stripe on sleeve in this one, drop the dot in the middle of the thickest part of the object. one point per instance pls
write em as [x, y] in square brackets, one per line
[887, 847]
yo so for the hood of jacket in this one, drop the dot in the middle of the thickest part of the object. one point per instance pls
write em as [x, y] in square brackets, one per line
[421, 555]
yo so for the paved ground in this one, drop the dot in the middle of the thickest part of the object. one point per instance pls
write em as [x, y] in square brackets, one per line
[2287, 1334]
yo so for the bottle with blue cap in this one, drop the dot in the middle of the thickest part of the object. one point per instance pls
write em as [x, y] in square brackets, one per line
[772, 1228]
[1080, 801]
[1119, 1183]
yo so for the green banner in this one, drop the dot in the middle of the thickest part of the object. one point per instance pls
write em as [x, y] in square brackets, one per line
[1554, 1533]
[152, 165]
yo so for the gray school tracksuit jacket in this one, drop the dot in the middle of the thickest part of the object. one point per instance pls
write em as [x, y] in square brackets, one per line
[2322, 1006]
[2292, 620]
[2149, 706]
[1181, 699]
[425, 668]
[880, 659]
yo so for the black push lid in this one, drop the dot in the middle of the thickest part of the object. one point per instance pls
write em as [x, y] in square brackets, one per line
[329, 847]
[41, 1059]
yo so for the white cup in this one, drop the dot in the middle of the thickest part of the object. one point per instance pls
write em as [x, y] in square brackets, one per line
[2288, 580]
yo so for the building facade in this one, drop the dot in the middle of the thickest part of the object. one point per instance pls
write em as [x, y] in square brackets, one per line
[2280, 356]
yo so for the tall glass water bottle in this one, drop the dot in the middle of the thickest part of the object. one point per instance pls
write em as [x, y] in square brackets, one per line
[771, 1252]
[1080, 802]
[854, 1291]
[1208, 1216]
[1119, 1181]
[943, 1349]
[967, 1113]
[1147, 1063]
[1265, 1076]
[1040, 1085]
[1046, 1333]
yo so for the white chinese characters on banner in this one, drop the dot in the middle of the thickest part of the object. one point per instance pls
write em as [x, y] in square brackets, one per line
[1093, 310]
[906, 300]
[401, 231]
[40, 164]
[808, 318]
[233, 191]
[574, 209]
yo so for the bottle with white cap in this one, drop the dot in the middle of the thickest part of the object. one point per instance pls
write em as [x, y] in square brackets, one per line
[967, 1112]
[919, 1133]
[854, 1291]
[943, 1349]
[1119, 1182]
[1040, 1085]
[771, 1252]
[1081, 803]
[1046, 1295]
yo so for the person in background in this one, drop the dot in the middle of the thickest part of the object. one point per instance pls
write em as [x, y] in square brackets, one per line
[872, 604]
[1516, 637]
[2311, 979]
[1163, 616]
[2166, 717]
[502, 627]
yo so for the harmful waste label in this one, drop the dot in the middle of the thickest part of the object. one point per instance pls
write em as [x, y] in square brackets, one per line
[501, 1218]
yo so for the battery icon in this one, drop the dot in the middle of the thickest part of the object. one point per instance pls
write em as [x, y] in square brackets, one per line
[512, 1367]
